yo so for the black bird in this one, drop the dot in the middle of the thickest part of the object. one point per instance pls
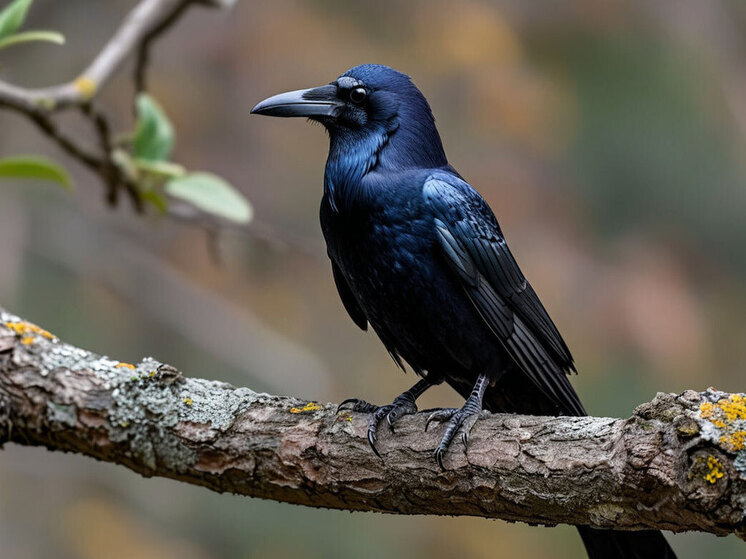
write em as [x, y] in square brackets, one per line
[417, 253]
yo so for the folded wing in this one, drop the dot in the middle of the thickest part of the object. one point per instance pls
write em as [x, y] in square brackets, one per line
[474, 247]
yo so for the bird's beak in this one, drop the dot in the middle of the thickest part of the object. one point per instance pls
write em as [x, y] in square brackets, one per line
[315, 102]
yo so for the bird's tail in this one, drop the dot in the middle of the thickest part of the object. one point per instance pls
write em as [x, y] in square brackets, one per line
[616, 544]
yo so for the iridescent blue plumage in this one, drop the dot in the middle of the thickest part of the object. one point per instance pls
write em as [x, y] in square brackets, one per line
[417, 253]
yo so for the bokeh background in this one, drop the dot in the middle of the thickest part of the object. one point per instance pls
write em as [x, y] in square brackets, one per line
[608, 137]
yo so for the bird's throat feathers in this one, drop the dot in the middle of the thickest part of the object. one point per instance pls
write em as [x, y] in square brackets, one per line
[353, 154]
[351, 158]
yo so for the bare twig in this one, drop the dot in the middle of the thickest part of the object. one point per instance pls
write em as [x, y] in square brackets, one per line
[47, 126]
[143, 49]
[676, 464]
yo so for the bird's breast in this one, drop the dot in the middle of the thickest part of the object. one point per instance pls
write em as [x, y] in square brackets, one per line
[390, 260]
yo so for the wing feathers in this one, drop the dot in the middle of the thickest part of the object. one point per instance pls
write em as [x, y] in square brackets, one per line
[473, 245]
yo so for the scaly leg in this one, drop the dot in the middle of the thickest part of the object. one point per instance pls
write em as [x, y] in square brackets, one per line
[404, 404]
[456, 418]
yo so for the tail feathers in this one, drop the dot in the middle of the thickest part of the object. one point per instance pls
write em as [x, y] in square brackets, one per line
[617, 544]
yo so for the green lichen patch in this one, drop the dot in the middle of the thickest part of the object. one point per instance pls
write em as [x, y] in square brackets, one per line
[62, 414]
[144, 404]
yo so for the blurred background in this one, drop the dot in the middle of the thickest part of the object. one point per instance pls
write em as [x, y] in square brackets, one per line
[609, 137]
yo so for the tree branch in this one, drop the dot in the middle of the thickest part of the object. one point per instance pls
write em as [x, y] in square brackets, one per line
[146, 17]
[677, 464]
[143, 24]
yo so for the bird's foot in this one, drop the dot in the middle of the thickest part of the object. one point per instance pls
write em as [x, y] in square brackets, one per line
[458, 420]
[402, 405]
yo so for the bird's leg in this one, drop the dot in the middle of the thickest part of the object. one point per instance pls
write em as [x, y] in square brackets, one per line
[459, 419]
[404, 404]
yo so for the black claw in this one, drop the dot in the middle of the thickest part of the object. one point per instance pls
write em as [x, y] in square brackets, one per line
[458, 423]
[402, 405]
[433, 417]
[439, 457]
[352, 401]
[440, 416]
[427, 424]
[357, 406]
[372, 442]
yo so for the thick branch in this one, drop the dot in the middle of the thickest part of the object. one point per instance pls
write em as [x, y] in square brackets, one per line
[677, 464]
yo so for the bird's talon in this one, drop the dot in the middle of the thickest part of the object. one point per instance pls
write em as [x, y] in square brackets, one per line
[440, 416]
[357, 405]
[372, 441]
[342, 404]
[390, 421]
[439, 458]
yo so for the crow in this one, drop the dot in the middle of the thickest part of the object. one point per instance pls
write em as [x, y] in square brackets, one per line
[418, 255]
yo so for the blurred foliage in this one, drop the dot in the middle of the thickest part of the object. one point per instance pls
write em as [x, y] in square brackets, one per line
[607, 136]
[34, 168]
[12, 18]
[151, 144]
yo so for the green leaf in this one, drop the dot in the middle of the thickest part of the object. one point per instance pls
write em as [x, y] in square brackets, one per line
[13, 16]
[211, 194]
[155, 199]
[162, 169]
[29, 36]
[34, 167]
[154, 135]
[125, 164]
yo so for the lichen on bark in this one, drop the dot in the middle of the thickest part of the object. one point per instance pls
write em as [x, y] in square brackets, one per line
[677, 463]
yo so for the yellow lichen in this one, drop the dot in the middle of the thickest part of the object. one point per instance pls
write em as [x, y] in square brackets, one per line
[86, 86]
[124, 366]
[734, 407]
[27, 340]
[728, 415]
[310, 406]
[152, 374]
[26, 330]
[706, 409]
[188, 401]
[734, 441]
[715, 469]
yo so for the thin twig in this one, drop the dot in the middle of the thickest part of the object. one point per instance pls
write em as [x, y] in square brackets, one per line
[49, 128]
[146, 16]
[143, 50]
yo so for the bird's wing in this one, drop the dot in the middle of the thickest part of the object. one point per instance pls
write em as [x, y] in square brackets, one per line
[348, 298]
[475, 248]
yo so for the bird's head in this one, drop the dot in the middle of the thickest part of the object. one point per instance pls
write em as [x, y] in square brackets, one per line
[369, 105]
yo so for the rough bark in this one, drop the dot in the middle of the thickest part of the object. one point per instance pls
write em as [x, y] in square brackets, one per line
[677, 464]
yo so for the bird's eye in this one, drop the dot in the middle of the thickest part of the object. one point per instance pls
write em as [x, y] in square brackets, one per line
[358, 95]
